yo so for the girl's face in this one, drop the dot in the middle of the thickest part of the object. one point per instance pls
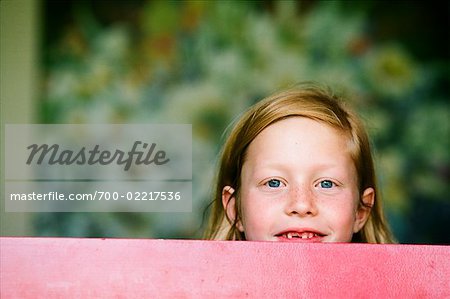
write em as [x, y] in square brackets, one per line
[299, 183]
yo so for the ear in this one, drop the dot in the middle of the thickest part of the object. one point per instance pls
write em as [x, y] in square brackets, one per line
[229, 205]
[363, 211]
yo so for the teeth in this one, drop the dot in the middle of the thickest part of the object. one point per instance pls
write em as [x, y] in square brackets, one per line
[305, 235]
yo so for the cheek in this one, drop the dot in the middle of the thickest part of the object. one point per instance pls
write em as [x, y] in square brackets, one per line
[255, 215]
[341, 214]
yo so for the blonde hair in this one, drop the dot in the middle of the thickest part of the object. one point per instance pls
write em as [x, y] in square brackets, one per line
[309, 101]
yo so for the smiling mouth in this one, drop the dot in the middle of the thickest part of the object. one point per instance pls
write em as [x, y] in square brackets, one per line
[300, 236]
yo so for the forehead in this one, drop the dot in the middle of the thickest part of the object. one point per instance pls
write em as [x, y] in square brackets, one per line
[299, 139]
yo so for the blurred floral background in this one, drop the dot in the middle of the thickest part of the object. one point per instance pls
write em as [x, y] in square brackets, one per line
[204, 62]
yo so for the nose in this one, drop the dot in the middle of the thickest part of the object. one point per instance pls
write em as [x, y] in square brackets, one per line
[301, 202]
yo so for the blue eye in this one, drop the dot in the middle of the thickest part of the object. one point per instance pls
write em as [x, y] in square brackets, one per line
[327, 184]
[273, 183]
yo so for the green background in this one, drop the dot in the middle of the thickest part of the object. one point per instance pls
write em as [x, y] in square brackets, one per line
[204, 62]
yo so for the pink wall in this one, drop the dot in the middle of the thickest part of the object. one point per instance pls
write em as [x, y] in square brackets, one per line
[139, 268]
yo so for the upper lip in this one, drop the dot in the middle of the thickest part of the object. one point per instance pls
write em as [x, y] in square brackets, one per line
[300, 231]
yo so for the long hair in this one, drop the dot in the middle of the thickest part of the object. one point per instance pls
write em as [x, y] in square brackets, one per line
[309, 101]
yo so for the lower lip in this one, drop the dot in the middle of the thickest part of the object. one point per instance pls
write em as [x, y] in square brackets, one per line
[315, 239]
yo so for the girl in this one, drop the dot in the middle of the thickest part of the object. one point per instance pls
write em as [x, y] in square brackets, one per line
[298, 167]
